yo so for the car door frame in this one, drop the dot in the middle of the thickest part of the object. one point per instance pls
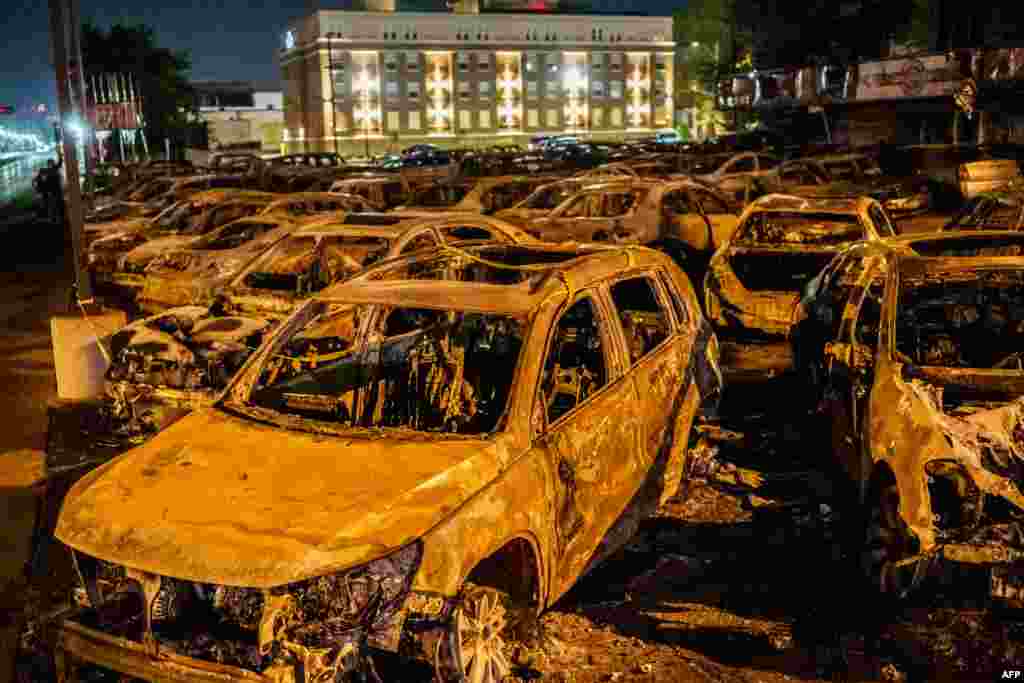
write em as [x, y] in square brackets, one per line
[570, 560]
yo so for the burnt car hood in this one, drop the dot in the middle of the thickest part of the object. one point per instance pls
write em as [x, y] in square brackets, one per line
[141, 255]
[221, 499]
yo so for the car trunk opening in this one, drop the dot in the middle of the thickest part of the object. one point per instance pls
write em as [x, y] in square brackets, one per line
[775, 269]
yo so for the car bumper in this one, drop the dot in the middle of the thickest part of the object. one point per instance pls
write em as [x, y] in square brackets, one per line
[76, 644]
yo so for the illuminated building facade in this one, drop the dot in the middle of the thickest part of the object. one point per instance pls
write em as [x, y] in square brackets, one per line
[380, 80]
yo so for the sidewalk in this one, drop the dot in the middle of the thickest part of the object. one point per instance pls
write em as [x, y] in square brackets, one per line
[35, 282]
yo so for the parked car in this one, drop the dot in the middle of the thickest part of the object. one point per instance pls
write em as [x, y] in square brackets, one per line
[977, 177]
[119, 256]
[755, 278]
[694, 218]
[995, 210]
[542, 200]
[731, 172]
[924, 385]
[487, 195]
[194, 273]
[301, 205]
[387, 190]
[419, 435]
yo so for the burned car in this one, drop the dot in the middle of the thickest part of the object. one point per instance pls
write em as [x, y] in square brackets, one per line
[119, 257]
[996, 210]
[924, 390]
[755, 279]
[543, 200]
[487, 195]
[688, 214]
[414, 467]
[388, 191]
[193, 274]
[817, 316]
[300, 205]
[328, 251]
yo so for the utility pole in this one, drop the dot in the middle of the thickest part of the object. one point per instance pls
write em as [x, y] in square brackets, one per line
[68, 70]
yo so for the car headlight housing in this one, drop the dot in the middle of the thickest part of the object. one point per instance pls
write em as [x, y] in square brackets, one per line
[328, 609]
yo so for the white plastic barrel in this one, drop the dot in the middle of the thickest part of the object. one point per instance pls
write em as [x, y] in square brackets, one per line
[77, 358]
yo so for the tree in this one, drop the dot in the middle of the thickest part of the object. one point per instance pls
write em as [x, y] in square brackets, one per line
[160, 76]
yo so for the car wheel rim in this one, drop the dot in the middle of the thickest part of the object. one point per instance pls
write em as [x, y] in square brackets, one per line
[480, 623]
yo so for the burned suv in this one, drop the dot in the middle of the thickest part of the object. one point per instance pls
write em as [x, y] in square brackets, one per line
[409, 466]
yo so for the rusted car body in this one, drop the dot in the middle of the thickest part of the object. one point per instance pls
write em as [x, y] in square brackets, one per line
[488, 195]
[388, 191]
[641, 211]
[629, 169]
[755, 280]
[976, 177]
[299, 205]
[732, 172]
[543, 200]
[194, 273]
[119, 258]
[924, 390]
[454, 456]
[995, 210]
[324, 250]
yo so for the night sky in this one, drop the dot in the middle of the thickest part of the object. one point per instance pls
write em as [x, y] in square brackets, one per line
[227, 39]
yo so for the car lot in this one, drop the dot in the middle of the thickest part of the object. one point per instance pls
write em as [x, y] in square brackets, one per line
[716, 586]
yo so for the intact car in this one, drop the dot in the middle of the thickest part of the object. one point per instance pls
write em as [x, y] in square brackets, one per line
[442, 453]
[755, 279]
[924, 391]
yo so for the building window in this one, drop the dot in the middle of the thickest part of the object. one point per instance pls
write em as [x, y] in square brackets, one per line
[551, 89]
[531, 62]
[616, 117]
[465, 120]
[414, 120]
[615, 89]
[464, 92]
[533, 118]
[485, 119]
[463, 60]
[552, 60]
[597, 88]
[412, 90]
[615, 61]
[341, 123]
[412, 60]
[391, 61]
[393, 121]
[483, 61]
[485, 90]
[391, 90]
[531, 89]
[597, 60]
[552, 115]
[597, 117]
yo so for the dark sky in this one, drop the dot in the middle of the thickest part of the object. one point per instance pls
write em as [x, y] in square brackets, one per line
[228, 39]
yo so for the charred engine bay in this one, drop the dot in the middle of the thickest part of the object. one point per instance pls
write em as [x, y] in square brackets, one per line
[744, 576]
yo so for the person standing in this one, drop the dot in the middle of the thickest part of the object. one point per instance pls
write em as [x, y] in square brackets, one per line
[48, 185]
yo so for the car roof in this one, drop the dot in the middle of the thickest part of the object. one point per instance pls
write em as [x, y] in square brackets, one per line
[561, 281]
[912, 266]
[789, 202]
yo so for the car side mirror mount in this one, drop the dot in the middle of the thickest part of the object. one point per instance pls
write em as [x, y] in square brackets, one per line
[852, 356]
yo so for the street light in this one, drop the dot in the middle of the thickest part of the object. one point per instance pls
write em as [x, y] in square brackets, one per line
[695, 43]
[334, 98]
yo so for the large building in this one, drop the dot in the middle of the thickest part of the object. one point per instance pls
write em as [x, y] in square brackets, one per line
[375, 80]
[240, 113]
